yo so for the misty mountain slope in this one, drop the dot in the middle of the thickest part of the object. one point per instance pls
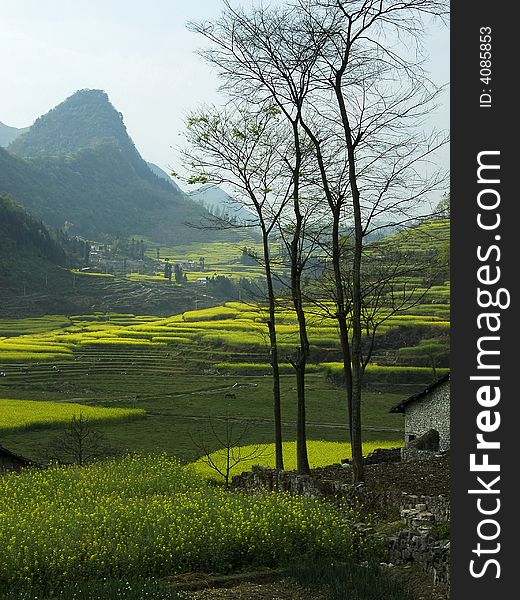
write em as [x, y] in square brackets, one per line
[77, 165]
[220, 203]
[164, 176]
[21, 234]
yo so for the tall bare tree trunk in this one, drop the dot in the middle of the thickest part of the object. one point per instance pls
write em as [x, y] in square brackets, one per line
[341, 315]
[300, 362]
[357, 367]
[340, 301]
[273, 354]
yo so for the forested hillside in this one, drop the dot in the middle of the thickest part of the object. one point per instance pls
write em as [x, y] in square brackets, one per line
[22, 234]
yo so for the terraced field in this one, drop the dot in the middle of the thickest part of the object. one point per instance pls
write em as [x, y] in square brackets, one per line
[182, 369]
[74, 292]
[220, 258]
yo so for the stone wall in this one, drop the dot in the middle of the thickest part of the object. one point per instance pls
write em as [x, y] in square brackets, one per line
[387, 502]
[437, 506]
[419, 514]
[419, 547]
[267, 479]
[383, 455]
[431, 411]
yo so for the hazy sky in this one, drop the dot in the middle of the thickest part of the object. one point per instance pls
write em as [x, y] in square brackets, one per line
[139, 52]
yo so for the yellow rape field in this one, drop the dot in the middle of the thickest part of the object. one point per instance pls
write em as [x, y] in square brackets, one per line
[151, 516]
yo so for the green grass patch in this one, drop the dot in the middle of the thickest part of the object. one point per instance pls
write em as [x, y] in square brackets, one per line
[377, 374]
[258, 368]
[118, 342]
[8, 356]
[13, 327]
[143, 277]
[210, 314]
[91, 274]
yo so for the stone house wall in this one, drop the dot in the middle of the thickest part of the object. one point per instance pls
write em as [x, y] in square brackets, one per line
[431, 411]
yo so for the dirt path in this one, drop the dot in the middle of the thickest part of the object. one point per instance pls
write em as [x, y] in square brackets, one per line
[285, 589]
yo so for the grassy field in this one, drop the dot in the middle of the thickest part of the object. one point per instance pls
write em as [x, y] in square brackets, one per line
[214, 253]
[182, 369]
[164, 387]
[177, 408]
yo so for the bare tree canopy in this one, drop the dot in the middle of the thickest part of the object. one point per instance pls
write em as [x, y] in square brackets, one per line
[230, 451]
[79, 443]
[349, 78]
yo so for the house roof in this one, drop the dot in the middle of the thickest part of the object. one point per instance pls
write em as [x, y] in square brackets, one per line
[400, 407]
[9, 454]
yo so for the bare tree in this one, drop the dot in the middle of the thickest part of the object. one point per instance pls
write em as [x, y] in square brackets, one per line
[244, 51]
[79, 443]
[231, 450]
[381, 96]
[243, 149]
[348, 77]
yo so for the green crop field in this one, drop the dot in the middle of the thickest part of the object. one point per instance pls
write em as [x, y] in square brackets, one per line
[212, 362]
[16, 327]
[220, 258]
[16, 414]
[233, 325]
[423, 239]
[181, 370]
[321, 453]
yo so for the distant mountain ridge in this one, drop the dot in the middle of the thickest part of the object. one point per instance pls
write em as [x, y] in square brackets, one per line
[163, 175]
[77, 166]
[220, 203]
[8, 134]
